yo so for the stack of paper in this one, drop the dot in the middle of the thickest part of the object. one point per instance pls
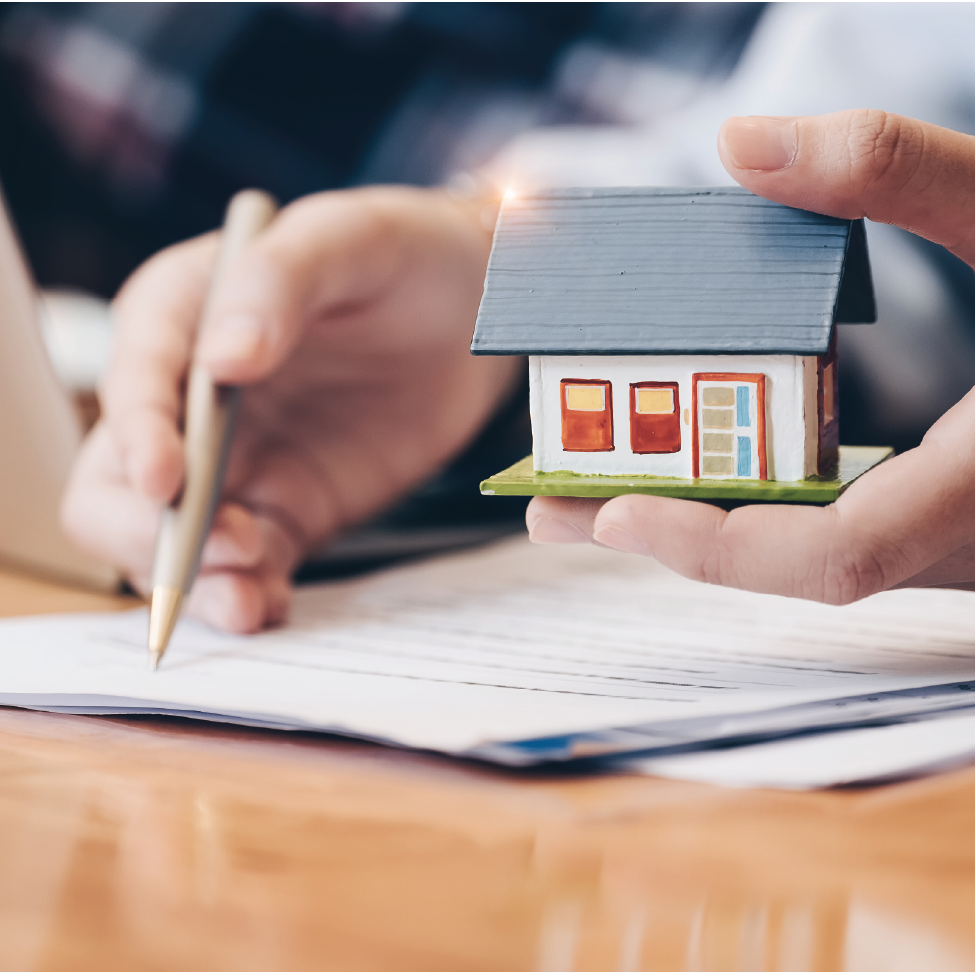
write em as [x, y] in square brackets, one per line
[800, 762]
[523, 654]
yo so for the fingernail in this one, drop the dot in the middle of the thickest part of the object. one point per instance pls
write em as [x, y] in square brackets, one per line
[232, 337]
[224, 550]
[555, 532]
[760, 143]
[613, 537]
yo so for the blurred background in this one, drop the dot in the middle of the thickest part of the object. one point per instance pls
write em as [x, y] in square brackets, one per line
[127, 126]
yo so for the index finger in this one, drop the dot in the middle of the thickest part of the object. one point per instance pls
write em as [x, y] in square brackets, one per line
[861, 163]
[156, 316]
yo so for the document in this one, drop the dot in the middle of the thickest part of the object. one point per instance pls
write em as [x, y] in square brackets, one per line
[521, 654]
[803, 762]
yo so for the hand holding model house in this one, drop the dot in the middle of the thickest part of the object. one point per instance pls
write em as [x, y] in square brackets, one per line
[910, 521]
[349, 321]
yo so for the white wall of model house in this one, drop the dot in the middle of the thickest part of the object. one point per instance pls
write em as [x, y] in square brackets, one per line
[791, 411]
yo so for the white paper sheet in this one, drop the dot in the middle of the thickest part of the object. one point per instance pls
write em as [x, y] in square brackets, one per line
[827, 759]
[508, 643]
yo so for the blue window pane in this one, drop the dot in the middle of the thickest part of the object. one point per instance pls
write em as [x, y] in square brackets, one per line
[743, 462]
[742, 406]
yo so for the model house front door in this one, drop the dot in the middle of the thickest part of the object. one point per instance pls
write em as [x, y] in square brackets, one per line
[729, 425]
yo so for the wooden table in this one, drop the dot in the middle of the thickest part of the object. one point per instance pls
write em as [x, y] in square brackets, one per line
[163, 844]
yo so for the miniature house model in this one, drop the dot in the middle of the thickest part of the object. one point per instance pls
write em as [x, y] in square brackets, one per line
[678, 333]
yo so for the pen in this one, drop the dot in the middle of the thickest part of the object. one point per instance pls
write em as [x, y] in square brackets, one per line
[210, 412]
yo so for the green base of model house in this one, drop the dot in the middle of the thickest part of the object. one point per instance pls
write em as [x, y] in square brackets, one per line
[852, 462]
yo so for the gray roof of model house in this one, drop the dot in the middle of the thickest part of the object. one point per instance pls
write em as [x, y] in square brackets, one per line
[669, 270]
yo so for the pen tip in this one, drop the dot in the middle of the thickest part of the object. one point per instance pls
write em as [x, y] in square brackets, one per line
[164, 611]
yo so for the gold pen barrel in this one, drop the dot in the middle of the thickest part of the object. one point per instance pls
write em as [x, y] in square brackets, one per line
[210, 413]
[183, 528]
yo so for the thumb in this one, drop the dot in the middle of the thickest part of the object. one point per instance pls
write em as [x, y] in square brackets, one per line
[860, 163]
[321, 253]
[252, 317]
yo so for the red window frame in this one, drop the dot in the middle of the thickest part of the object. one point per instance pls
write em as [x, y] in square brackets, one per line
[655, 433]
[587, 431]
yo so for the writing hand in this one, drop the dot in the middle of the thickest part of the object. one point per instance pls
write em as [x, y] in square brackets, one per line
[909, 522]
[348, 321]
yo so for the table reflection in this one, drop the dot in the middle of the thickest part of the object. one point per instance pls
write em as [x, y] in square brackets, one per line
[171, 845]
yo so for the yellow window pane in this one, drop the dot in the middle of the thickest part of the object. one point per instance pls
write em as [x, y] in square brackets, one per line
[722, 419]
[716, 464]
[653, 400]
[717, 443]
[586, 398]
[718, 396]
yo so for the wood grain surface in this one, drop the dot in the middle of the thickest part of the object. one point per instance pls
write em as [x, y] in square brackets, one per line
[163, 844]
